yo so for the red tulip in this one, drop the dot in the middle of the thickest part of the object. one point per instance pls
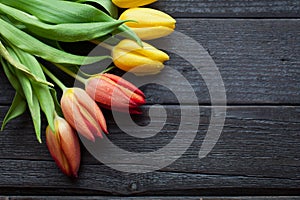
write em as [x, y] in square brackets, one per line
[83, 114]
[64, 146]
[115, 93]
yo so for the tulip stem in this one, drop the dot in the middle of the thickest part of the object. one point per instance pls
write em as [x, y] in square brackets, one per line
[107, 70]
[56, 80]
[70, 73]
[106, 46]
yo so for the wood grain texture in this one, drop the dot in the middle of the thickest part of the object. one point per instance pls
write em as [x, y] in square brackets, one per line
[258, 152]
[230, 8]
[258, 60]
[258, 149]
[144, 198]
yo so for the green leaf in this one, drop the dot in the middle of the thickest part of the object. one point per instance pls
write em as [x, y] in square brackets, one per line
[6, 55]
[11, 20]
[17, 108]
[8, 70]
[108, 5]
[36, 118]
[33, 104]
[56, 102]
[44, 96]
[32, 100]
[30, 62]
[75, 32]
[70, 32]
[61, 12]
[33, 46]
[23, 79]
[42, 92]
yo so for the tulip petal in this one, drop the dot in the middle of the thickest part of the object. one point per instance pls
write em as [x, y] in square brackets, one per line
[135, 99]
[121, 94]
[130, 47]
[82, 113]
[104, 89]
[132, 3]
[91, 122]
[69, 145]
[120, 81]
[52, 140]
[147, 17]
[82, 125]
[149, 23]
[150, 33]
[90, 112]
[136, 64]
[107, 92]
[92, 108]
[74, 117]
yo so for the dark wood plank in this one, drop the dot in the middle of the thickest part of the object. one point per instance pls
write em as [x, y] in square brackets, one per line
[150, 197]
[258, 61]
[6, 91]
[39, 174]
[230, 8]
[258, 149]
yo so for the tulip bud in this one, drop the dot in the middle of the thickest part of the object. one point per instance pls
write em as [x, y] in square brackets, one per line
[83, 114]
[131, 3]
[115, 93]
[146, 60]
[149, 23]
[64, 146]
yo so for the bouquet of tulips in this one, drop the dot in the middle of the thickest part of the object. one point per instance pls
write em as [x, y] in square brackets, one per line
[31, 33]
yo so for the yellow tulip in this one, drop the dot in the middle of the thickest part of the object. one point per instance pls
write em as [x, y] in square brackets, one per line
[149, 23]
[146, 60]
[132, 3]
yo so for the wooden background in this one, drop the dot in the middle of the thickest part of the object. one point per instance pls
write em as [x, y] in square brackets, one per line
[256, 46]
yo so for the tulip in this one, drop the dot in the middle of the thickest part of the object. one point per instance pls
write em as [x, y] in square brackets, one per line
[82, 113]
[131, 3]
[64, 146]
[115, 93]
[146, 60]
[149, 23]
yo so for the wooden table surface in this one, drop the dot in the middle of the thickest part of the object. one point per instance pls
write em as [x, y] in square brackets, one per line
[256, 47]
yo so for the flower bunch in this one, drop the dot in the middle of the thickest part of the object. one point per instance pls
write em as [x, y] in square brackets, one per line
[31, 31]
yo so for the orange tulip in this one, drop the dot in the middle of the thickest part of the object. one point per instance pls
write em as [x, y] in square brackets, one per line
[114, 92]
[83, 114]
[64, 146]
